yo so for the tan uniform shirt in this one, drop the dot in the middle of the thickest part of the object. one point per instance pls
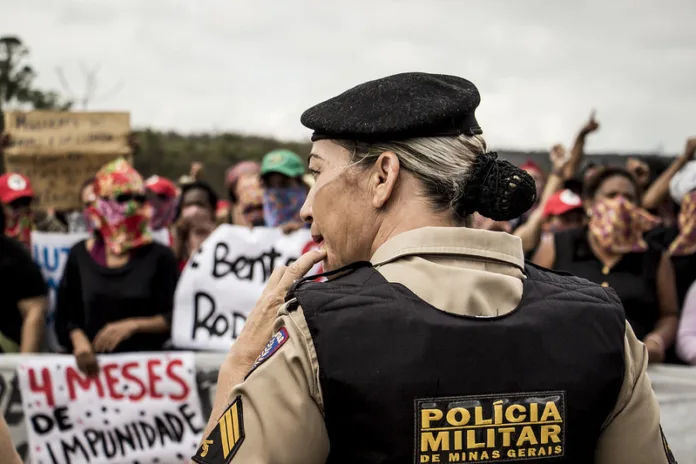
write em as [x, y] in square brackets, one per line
[458, 270]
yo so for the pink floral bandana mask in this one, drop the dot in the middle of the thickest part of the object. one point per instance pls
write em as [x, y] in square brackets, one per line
[119, 212]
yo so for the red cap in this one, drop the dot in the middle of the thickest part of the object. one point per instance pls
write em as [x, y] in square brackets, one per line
[531, 166]
[13, 186]
[161, 186]
[561, 202]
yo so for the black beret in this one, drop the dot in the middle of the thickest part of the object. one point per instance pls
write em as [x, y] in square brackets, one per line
[398, 107]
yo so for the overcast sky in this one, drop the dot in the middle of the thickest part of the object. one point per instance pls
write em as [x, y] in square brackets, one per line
[254, 66]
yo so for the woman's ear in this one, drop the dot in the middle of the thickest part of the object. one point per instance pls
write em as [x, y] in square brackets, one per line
[385, 172]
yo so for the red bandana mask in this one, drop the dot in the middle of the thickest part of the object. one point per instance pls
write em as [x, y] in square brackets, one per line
[685, 243]
[618, 225]
[19, 227]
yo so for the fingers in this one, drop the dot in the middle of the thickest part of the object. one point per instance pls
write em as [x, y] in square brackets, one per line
[105, 340]
[300, 268]
[276, 275]
[100, 339]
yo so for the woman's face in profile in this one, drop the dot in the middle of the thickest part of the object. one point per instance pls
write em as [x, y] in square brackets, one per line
[339, 206]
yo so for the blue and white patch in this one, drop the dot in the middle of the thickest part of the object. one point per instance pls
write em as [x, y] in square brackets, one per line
[278, 340]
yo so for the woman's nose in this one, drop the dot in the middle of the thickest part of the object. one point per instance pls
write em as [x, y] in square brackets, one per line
[306, 211]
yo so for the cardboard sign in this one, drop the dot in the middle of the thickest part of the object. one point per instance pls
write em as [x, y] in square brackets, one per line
[50, 251]
[51, 132]
[59, 151]
[222, 282]
[57, 179]
[141, 407]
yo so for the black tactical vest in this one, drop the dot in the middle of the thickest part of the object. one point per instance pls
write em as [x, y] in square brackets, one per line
[404, 382]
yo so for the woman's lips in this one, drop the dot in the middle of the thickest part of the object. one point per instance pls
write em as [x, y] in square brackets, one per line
[318, 239]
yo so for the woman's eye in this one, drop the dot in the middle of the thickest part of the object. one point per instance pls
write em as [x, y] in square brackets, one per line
[313, 172]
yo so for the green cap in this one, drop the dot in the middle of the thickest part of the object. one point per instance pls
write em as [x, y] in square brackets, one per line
[283, 162]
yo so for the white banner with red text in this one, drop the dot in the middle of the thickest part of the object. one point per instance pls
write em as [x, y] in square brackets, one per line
[223, 280]
[140, 408]
[675, 387]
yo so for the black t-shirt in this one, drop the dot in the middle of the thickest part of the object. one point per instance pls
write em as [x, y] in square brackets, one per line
[90, 296]
[634, 277]
[684, 266]
[20, 279]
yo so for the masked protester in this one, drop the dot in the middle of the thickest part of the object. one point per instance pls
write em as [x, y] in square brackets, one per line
[246, 194]
[284, 190]
[163, 198]
[17, 197]
[680, 239]
[117, 290]
[612, 251]
[196, 219]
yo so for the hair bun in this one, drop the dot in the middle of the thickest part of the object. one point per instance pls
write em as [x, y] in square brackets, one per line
[497, 189]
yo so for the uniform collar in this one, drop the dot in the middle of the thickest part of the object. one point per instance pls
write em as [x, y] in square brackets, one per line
[474, 243]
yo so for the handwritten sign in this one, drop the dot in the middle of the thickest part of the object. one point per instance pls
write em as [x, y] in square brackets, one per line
[141, 407]
[57, 179]
[59, 151]
[50, 251]
[222, 282]
[51, 132]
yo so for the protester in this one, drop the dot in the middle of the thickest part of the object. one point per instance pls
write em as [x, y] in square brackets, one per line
[284, 190]
[244, 189]
[117, 290]
[686, 337]
[162, 196]
[426, 323]
[656, 197]
[611, 251]
[17, 196]
[563, 211]
[196, 219]
[77, 220]
[680, 240]
[22, 299]
[530, 229]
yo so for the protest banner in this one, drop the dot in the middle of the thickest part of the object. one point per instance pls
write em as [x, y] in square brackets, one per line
[141, 407]
[49, 132]
[675, 388]
[58, 151]
[50, 251]
[223, 280]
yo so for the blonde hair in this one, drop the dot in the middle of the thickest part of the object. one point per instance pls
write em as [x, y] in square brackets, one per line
[441, 164]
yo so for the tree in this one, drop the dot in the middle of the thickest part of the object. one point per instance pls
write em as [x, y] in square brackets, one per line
[17, 77]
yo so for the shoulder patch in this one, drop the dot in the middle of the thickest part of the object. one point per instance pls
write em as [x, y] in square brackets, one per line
[278, 340]
[668, 451]
[224, 441]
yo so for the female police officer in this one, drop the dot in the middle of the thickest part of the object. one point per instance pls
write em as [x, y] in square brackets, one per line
[435, 343]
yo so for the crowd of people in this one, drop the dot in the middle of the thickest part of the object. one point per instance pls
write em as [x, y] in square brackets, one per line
[117, 289]
[630, 227]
